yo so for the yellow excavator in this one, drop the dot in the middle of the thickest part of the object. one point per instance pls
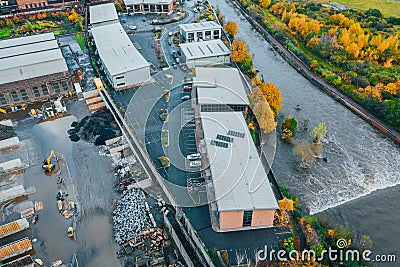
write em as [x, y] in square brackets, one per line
[47, 165]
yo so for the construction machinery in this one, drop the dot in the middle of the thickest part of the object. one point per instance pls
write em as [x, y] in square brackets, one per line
[48, 166]
[70, 233]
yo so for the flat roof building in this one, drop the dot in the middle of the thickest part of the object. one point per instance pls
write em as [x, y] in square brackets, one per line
[32, 68]
[122, 63]
[103, 14]
[149, 6]
[242, 195]
[205, 30]
[220, 89]
[212, 52]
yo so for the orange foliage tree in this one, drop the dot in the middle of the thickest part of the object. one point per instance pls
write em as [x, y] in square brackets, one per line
[239, 51]
[231, 28]
[273, 96]
[265, 3]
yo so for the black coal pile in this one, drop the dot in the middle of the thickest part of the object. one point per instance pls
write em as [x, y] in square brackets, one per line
[6, 132]
[96, 128]
[130, 217]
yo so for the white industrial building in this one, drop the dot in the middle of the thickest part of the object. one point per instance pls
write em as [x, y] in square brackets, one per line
[220, 89]
[149, 6]
[122, 63]
[201, 31]
[103, 14]
[206, 53]
[239, 190]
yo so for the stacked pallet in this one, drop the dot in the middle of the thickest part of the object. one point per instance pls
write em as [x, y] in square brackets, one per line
[94, 100]
[14, 249]
[13, 227]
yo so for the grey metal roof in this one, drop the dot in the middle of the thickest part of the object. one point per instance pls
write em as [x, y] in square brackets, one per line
[27, 40]
[135, 2]
[28, 48]
[200, 26]
[102, 13]
[30, 57]
[116, 49]
[220, 86]
[204, 49]
[239, 179]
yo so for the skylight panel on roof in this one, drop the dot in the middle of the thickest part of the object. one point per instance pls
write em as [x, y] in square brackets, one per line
[237, 134]
[219, 143]
[225, 138]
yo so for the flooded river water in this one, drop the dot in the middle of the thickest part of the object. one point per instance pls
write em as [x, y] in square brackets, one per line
[358, 185]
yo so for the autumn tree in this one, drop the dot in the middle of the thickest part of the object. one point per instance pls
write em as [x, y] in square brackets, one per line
[9, 23]
[273, 96]
[265, 3]
[262, 111]
[231, 28]
[239, 51]
[73, 17]
[16, 19]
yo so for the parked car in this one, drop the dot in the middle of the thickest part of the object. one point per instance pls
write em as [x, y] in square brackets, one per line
[195, 156]
[195, 10]
[187, 88]
[177, 60]
[133, 27]
[186, 97]
[195, 164]
[124, 21]
[174, 65]
[170, 33]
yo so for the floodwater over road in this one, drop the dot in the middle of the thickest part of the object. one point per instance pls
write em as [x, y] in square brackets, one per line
[360, 159]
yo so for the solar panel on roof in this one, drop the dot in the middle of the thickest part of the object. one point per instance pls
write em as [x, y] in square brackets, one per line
[224, 138]
[237, 134]
[219, 143]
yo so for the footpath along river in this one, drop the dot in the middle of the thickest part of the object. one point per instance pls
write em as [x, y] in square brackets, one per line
[358, 185]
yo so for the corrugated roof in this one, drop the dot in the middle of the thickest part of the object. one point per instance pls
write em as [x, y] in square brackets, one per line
[200, 26]
[211, 48]
[27, 40]
[103, 13]
[30, 57]
[220, 86]
[28, 48]
[116, 49]
[239, 179]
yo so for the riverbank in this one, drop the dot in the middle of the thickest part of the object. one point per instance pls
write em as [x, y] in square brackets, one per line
[302, 68]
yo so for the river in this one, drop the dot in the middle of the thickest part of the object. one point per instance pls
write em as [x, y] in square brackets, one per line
[358, 186]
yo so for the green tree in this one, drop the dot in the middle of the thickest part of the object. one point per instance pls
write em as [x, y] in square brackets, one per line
[118, 6]
[319, 131]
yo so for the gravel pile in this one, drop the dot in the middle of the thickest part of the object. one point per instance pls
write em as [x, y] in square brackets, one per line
[130, 217]
[96, 128]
